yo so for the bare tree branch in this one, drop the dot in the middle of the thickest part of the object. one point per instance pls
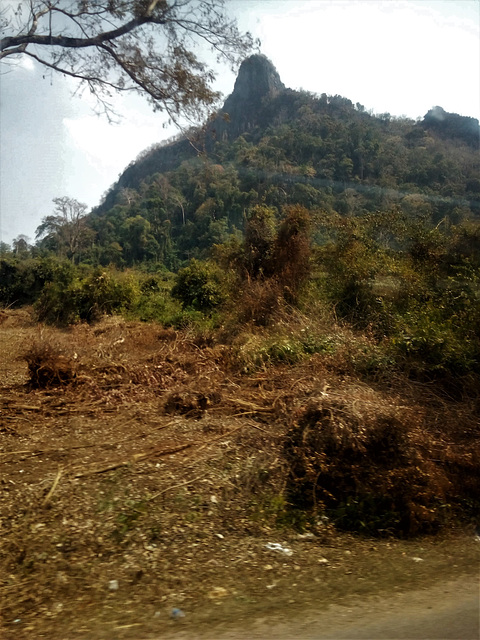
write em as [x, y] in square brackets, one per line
[147, 46]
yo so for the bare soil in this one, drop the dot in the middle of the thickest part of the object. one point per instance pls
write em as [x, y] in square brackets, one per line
[148, 478]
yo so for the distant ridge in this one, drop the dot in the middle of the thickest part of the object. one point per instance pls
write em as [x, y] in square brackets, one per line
[259, 100]
[451, 125]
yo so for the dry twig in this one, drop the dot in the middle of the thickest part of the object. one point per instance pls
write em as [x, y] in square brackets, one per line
[54, 486]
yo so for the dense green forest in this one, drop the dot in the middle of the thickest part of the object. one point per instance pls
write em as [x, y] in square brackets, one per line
[287, 201]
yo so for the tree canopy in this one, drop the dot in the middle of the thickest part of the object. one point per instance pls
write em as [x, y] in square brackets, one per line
[65, 231]
[142, 46]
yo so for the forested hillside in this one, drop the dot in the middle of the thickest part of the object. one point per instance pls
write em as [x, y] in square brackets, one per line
[306, 254]
[278, 147]
[258, 353]
[281, 198]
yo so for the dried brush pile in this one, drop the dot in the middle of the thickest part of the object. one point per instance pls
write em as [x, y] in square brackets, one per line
[48, 366]
[359, 462]
[191, 404]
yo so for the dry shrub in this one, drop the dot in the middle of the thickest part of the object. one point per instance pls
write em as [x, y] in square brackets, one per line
[48, 366]
[358, 461]
[260, 301]
[291, 253]
[167, 334]
[191, 404]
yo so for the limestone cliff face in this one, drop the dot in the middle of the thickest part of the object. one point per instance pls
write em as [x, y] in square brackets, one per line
[257, 81]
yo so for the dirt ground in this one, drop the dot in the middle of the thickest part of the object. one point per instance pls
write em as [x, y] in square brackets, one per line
[141, 485]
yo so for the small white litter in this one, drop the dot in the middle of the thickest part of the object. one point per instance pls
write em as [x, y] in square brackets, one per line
[275, 546]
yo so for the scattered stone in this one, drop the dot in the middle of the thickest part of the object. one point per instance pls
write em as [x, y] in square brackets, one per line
[217, 592]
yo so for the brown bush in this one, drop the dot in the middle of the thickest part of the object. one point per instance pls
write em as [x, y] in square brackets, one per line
[167, 335]
[358, 461]
[191, 404]
[47, 366]
[291, 253]
[260, 301]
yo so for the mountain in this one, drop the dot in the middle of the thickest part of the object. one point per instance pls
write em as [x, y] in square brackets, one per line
[453, 126]
[256, 83]
[273, 146]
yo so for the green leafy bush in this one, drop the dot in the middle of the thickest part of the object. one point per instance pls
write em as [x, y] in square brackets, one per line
[428, 347]
[200, 286]
[21, 281]
[86, 297]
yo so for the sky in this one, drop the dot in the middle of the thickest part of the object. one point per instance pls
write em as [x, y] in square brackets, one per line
[397, 56]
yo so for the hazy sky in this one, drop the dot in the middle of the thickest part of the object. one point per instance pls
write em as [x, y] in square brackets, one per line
[396, 56]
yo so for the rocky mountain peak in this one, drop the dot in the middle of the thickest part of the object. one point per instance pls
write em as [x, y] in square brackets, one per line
[453, 125]
[257, 78]
[257, 81]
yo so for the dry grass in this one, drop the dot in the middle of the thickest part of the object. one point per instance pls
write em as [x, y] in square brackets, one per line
[48, 366]
[358, 456]
[160, 465]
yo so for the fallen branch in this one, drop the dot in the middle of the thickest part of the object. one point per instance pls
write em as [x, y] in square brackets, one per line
[249, 405]
[271, 435]
[22, 407]
[39, 452]
[221, 437]
[54, 486]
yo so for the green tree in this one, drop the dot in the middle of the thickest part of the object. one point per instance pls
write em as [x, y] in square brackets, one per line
[21, 246]
[199, 286]
[351, 262]
[137, 239]
[66, 231]
[5, 249]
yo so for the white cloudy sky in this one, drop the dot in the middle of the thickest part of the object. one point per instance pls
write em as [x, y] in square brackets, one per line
[397, 56]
